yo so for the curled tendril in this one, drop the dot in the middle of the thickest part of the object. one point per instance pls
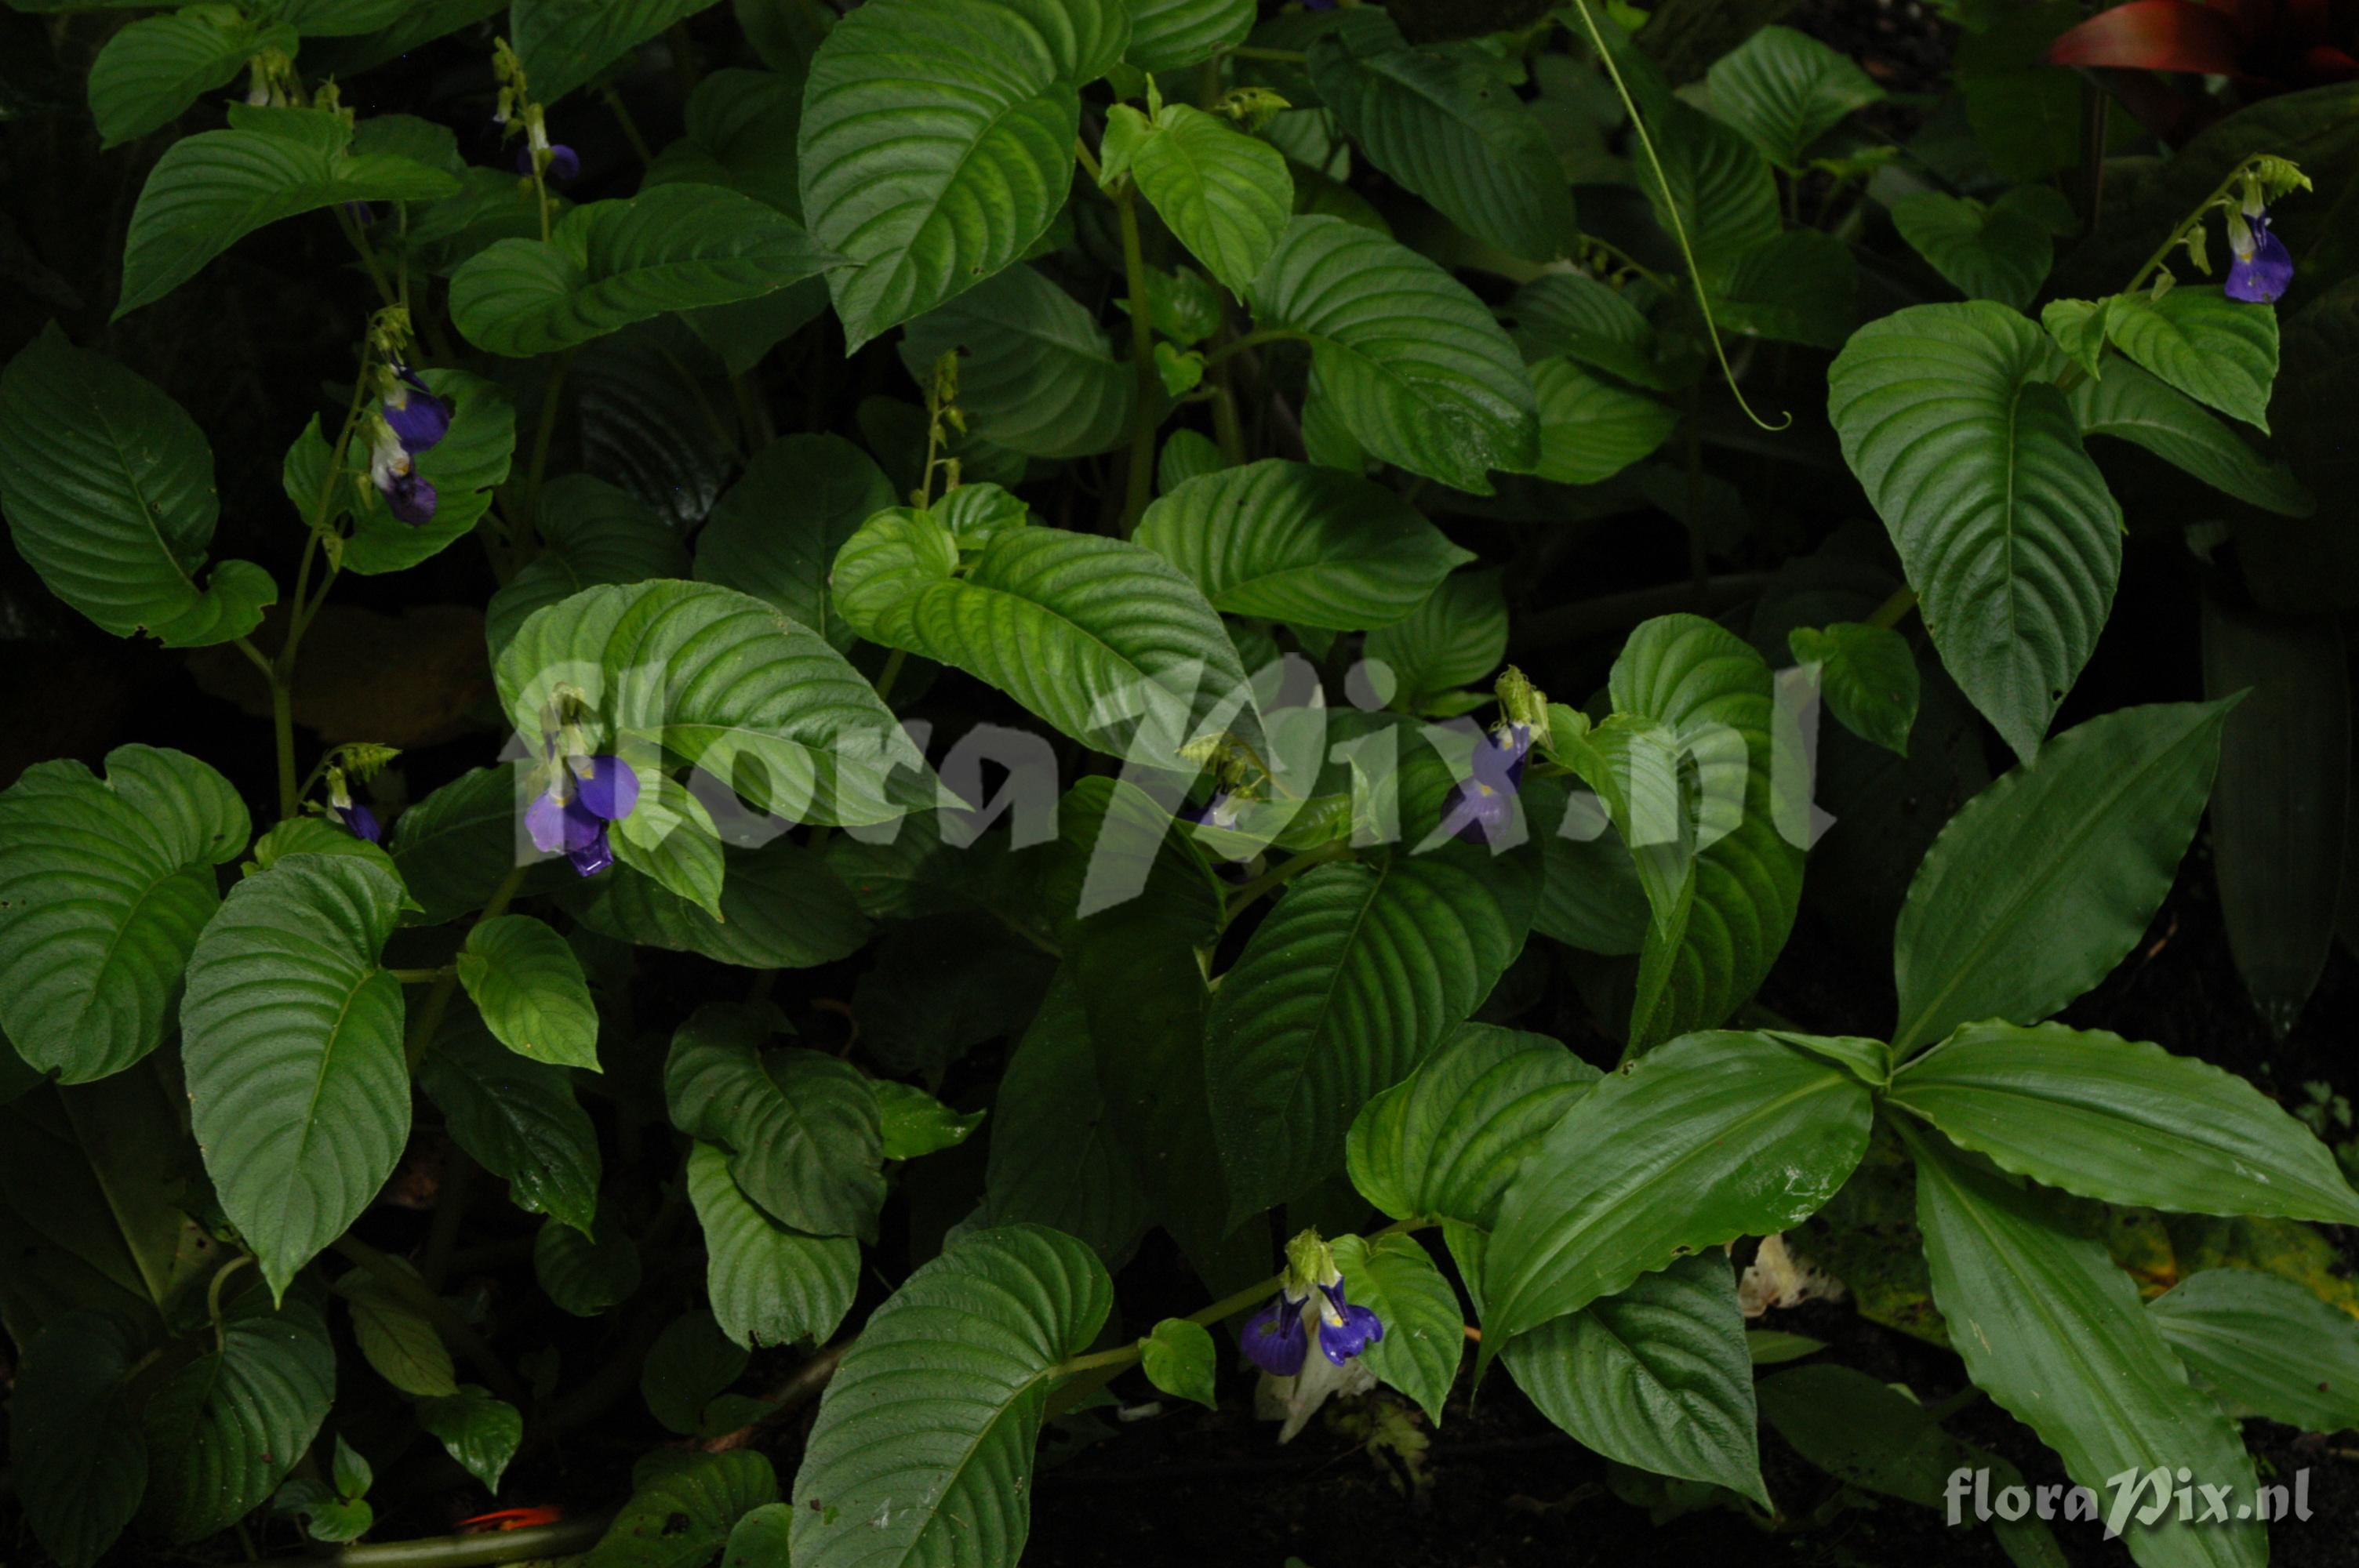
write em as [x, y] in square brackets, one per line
[1679, 229]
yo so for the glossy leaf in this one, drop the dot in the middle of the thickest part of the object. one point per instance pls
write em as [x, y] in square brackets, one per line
[455, 847]
[1572, 315]
[565, 43]
[775, 534]
[1457, 637]
[1225, 195]
[682, 1513]
[769, 1284]
[585, 1276]
[528, 986]
[471, 457]
[1591, 429]
[591, 533]
[1784, 90]
[150, 72]
[1036, 374]
[2216, 350]
[2131, 406]
[1997, 251]
[481, 1432]
[1178, 1357]
[1395, 1277]
[781, 908]
[2266, 1344]
[1056, 1158]
[518, 1119]
[1171, 35]
[225, 1429]
[394, 1338]
[1869, 677]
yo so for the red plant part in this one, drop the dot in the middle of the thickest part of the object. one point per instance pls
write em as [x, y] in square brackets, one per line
[511, 1518]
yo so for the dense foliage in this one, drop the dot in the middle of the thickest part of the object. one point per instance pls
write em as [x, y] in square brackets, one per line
[884, 804]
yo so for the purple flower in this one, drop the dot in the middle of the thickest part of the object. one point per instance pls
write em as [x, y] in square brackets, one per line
[419, 418]
[357, 820]
[408, 495]
[2263, 268]
[1482, 807]
[1345, 1330]
[1220, 811]
[564, 163]
[571, 814]
[1274, 1339]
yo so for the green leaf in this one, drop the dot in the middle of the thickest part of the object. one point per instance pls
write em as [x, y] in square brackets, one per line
[1800, 288]
[2123, 1121]
[1037, 375]
[2131, 406]
[1171, 35]
[210, 190]
[150, 72]
[564, 44]
[683, 1513]
[528, 985]
[481, 1432]
[1178, 1357]
[104, 884]
[609, 264]
[1088, 632]
[455, 847]
[1999, 251]
[291, 1037]
[518, 1119]
[1226, 196]
[108, 489]
[2006, 527]
[1592, 430]
[741, 133]
[1291, 542]
[725, 682]
[781, 908]
[1055, 1157]
[1572, 315]
[2047, 879]
[1414, 365]
[1395, 1276]
[225, 1428]
[1784, 90]
[671, 839]
[343, 19]
[2216, 350]
[2052, 1331]
[913, 1124]
[769, 1284]
[76, 1447]
[1443, 122]
[1869, 677]
[1353, 978]
[591, 533]
[1725, 194]
[2267, 1347]
[1457, 637]
[585, 1276]
[802, 1126]
[924, 206]
[1710, 1137]
[923, 1449]
[394, 1338]
[464, 466]
[761, 1536]
[1444, 1142]
[775, 534]
[691, 1363]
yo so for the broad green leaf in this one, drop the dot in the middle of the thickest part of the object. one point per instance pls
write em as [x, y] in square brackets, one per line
[781, 908]
[591, 533]
[225, 1428]
[1093, 634]
[1036, 374]
[1725, 194]
[2216, 350]
[464, 466]
[586, 1276]
[683, 1512]
[104, 884]
[913, 1124]
[775, 533]
[1800, 288]
[741, 132]
[1225, 195]
[1710, 1137]
[1414, 365]
[671, 839]
[762, 1535]
[1055, 1157]
[1572, 315]
[2123, 1121]
[2042, 882]
[481, 1432]
[2080, 328]
[2052, 1331]
[455, 847]
[609, 264]
[769, 1284]
[1291, 542]
[1395, 1276]
[108, 489]
[1590, 897]
[2128, 403]
[2266, 1345]
[150, 72]
[800, 1125]
[518, 1119]
[344, 18]
[1869, 677]
[690, 1365]
[2006, 527]
[938, 142]
[1179, 1358]
[1355, 978]
[1784, 90]
[1186, 455]
[394, 1338]
[528, 986]
[213, 188]
[1440, 120]
[291, 1037]
[724, 681]
[923, 1449]
[564, 44]
[1997, 251]
[1457, 637]
[1171, 35]
[1444, 1142]
[79, 1458]
[1592, 430]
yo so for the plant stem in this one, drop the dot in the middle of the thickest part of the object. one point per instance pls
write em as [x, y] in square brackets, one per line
[385, 290]
[1888, 613]
[419, 977]
[446, 979]
[1142, 359]
[529, 515]
[457, 1330]
[614, 100]
[213, 1296]
[2145, 274]
[1255, 340]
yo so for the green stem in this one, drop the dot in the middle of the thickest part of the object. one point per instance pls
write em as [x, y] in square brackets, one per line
[1255, 340]
[446, 980]
[614, 100]
[1888, 613]
[1142, 358]
[385, 290]
[551, 391]
[457, 1331]
[213, 1296]
[2145, 274]
[539, 1543]
[889, 674]
[419, 977]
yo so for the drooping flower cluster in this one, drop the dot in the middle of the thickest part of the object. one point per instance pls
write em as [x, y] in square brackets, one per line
[409, 419]
[1310, 1306]
[582, 792]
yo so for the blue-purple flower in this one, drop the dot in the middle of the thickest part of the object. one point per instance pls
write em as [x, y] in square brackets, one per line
[1483, 807]
[584, 794]
[408, 495]
[2263, 269]
[419, 418]
[357, 820]
[1310, 1305]
[563, 166]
